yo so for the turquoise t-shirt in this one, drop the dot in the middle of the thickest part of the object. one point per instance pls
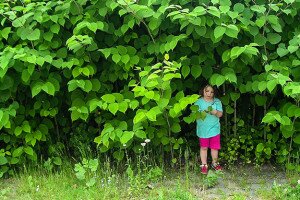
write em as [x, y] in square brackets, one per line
[210, 126]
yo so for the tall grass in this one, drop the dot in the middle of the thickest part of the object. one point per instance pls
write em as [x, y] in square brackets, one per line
[137, 177]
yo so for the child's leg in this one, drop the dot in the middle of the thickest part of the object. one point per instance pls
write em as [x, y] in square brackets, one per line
[214, 155]
[215, 145]
[215, 165]
[203, 155]
[204, 144]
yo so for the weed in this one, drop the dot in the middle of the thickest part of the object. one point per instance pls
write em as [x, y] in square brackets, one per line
[178, 193]
[286, 191]
[4, 192]
[50, 164]
[212, 179]
[239, 196]
[87, 171]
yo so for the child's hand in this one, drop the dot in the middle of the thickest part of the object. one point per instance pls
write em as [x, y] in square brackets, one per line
[213, 112]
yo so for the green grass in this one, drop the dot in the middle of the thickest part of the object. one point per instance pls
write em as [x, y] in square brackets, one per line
[66, 186]
[54, 186]
[181, 184]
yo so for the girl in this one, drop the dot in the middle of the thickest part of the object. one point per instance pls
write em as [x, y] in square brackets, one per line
[208, 129]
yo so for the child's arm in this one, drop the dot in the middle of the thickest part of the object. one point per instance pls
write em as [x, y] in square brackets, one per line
[218, 111]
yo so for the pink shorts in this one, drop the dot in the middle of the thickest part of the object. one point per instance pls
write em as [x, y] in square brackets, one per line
[213, 142]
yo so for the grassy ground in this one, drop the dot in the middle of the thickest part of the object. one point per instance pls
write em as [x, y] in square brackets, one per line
[243, 182]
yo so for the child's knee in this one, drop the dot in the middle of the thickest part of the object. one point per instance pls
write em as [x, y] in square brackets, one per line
[204, 148]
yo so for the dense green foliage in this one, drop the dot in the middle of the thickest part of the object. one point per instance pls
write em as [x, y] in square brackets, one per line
[76, 73]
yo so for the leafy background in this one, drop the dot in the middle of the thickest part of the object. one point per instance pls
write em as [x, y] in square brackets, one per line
[104, 75]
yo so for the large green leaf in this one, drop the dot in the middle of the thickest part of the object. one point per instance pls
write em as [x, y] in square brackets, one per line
[19, 22]
[282, 51]
[109, 98]
[176, 128]
[150, 94]
[3, 160]
[260, 147]
[271, 85]
[260, 39]
[113, 108]
[34, 35]
[55, 28]
[17, 152]
[199, 10]
[5, 32]
[116, 58]
[293, 48]
[49, 88]
[219, 31]
[36, 88]
[28, 150]
[26, 127]
[258, 8]
[196, 71]
[123, 106]
[139, 117]
[297, 139]
[232, 31]
[96, 85]
[119, 155]
[185, 70]
[274, 38]
[1, 114]
[88, 86]
[236, 52]
[151, 115]
[220, 80]
[200, 30]
[260, 100]
[57, 161]
[140, 134]
[25, 75]
[239, 7]
[234, 96]
[127, 135]
[214, 11]
[262, 86]
[287, 130]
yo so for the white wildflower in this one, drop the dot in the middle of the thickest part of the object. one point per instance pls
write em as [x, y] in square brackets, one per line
[37, 188]
[124, 145]
[143, 144]
[147, 140]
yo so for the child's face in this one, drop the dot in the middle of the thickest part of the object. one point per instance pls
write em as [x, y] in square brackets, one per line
[208, 92]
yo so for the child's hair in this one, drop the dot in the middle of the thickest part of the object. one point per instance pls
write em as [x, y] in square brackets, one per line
[201, 92]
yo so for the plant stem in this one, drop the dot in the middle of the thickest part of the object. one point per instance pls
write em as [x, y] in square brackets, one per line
[265, 112]
[253, 116]
[169, 131]
[235, 119]
[57, 129]
[291, 142]
[141, 20]
[225, 114]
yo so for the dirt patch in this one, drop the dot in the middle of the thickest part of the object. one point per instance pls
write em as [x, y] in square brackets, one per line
[244, 182]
